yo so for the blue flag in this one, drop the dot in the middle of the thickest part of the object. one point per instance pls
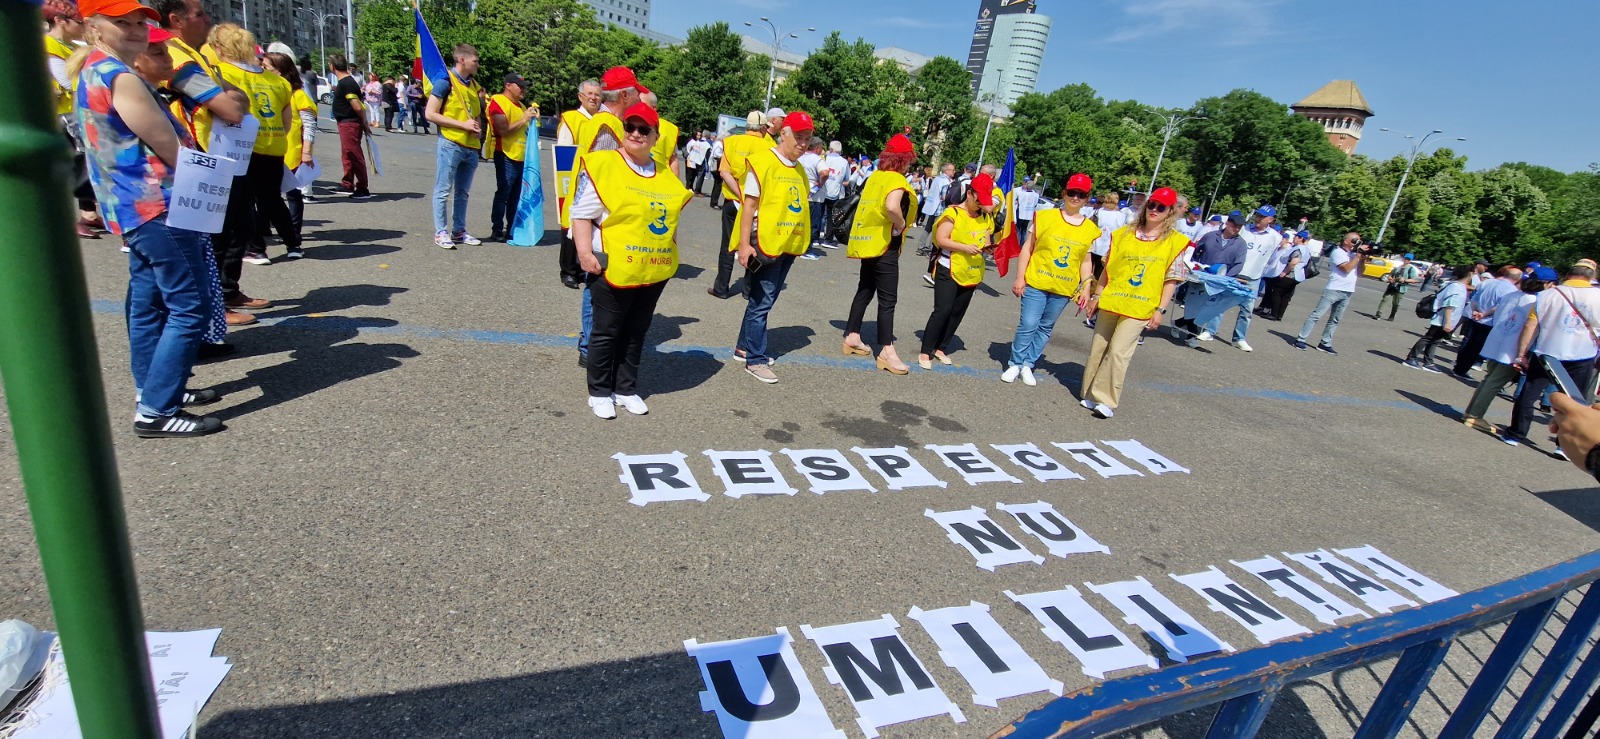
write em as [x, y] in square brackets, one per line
[430, 63]
[527, 221]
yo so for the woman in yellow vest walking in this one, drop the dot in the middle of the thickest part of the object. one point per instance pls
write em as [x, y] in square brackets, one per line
[1141, 274]
[875, 239]
[1052, 269]
[636, 204]
[962, 233]
[268, 95]
[65, 30]
[302, 134]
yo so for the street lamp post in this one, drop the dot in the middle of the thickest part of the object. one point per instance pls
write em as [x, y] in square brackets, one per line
[350, 33]
[1417, 147]
[777, 48]
[1173, 121]
[1213, 199]
[322, 45]
[988, 125]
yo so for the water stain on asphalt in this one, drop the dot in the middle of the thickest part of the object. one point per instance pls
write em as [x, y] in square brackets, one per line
[783, 435]
[892, 430]
[742, 414]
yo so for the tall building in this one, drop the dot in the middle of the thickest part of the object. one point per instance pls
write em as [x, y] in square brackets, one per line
[633, 15]
[1007, 50]
[1341, 109]
[293, 22]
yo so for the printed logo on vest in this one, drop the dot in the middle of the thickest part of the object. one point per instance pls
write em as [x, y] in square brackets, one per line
[659, 225]
[1138, 276]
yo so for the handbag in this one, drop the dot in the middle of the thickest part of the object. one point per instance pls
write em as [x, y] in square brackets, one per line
[759, 259]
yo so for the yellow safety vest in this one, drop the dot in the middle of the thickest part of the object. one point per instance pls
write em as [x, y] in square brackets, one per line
[60, 50]
[464, 102]
[1058, 251]
[269, 103]
[736, 151]
[872, 230]
[298, 101]
[966, 269]
[666, 146]
[783, 216]
[182, 53]
[587, 132]
[641, 223]
[515, 148]
[573, 120]
[1136, 270]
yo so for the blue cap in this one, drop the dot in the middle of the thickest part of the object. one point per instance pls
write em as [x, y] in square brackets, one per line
[1267, 210]
[1534, 265]
[1122, 203]
[1545, 274]
[1307, 236]
[1195, 211]
[1094, 201]
[1277, 227]
[1215, 218]
[1409, 257]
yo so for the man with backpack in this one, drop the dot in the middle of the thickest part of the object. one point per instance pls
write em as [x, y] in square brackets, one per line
[1399, 279]
[1446, 308]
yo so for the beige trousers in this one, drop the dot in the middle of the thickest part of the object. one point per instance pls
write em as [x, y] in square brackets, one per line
[1115, 338]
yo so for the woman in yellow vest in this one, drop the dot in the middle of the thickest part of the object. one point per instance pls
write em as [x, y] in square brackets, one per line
[1052, 269]
[875, 239]
[962, 233]
[65, 29]
[1141, 273]
[268, 96]
[301, 136]
[624, 194]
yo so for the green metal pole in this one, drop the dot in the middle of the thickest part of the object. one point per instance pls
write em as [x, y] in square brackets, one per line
[51, 373]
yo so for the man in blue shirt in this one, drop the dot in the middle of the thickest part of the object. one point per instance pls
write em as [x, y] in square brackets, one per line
[1479, 316]
[1224, 253]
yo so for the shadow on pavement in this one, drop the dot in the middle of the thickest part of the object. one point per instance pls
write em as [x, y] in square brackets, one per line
[1385, 355]
[1581, 504]
[352, 236]
[688, 272]
[333, 299]
[1290, 717]
[1289, 339]
[650, 696]
[1443, 409]
[318, 360]
[670, 372]
[333, 252]
[788, 339]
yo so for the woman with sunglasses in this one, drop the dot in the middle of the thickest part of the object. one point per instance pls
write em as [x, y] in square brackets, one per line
[875, 239]
[1053, 270]
[1142, 271]
[620, 192]
[962, 233]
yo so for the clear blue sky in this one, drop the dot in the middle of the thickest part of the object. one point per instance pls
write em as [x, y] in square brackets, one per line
[1519, 80]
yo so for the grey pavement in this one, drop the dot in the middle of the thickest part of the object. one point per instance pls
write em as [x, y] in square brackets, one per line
[414, 527]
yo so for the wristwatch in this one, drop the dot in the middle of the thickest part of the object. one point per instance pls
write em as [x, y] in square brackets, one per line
[1592, 462]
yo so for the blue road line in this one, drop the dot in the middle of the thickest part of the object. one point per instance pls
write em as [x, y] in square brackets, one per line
[523, 338]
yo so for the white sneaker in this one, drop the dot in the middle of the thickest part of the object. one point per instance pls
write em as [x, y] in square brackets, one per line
[603, 407]
[442, 240]
[1102, 410]
[466, 238]
[1243, 346]
[1204, 336]
[1027, 377]
[1087, 403]
[1010, 375]
[633, 403]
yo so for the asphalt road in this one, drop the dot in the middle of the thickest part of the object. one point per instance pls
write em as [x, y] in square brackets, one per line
[414, 527]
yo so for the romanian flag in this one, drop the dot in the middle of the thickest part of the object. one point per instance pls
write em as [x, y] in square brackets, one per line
[1006, 246]
[428, 63]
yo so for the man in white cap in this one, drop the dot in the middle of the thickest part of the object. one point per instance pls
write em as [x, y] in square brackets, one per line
[736, 151]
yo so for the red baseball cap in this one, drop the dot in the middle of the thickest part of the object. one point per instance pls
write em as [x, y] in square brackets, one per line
[115, 8]
[1165, 196]
[620, 78]
[1080, 181]
[983, 185]
[644, 113]
[799, 120]
[899, 144]
[159, 35]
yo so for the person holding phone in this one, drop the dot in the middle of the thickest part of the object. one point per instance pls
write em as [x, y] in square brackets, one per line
[1561, 328]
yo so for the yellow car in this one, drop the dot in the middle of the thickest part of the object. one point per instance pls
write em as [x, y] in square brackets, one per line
[1377, 267]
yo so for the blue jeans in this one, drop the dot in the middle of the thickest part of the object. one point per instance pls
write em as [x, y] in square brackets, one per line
[456, 165]
[821, 210]
[1040, 310]
[1333, 303]
[586, 313]
[765, 284]
[1207, 311]
[507, 193]
[168, 307]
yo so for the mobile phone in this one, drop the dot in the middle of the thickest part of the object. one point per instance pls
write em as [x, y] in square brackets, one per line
[1563, 379]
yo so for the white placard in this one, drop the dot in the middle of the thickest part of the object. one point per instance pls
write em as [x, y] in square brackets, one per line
[748, 473]
[200, 188]
[758, 689]
[1096, 459]
[827, 470]
[1304, 591]
[1036, 462]
[1335, 571]
[1059, 535]
[658, 478]
[989, 544]
[1144, 455]
[307, 173]
[1161, 619]
[288, 181]
[1391, 569]
[898, 468]
[885, 682]
[972, 643]
[373, 157]
[234, 141]
[1069, 621]
[1265, 623]
[970, 463]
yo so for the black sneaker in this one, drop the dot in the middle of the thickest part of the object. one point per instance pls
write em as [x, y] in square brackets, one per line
[216, 351]
[295, 254]
[201, 397]
[178, 425]
[360, 195]
[583, 360]
[1328, 349]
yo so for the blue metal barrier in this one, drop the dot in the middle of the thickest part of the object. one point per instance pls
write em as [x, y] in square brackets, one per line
[1247, 683]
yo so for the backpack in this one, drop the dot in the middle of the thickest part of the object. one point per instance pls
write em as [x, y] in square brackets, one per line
[1425, 305]
[956, 193]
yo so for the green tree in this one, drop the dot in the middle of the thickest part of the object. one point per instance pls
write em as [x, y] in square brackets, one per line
[852, 95]
[707, 76]
[940, 101]
[1270, 148]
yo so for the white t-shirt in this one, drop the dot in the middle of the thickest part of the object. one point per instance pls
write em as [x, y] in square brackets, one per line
[1026, 201]
[1508, 322]
[1562, 333]
[838, 169]
[696, 149]
[1192, 230]
[811, 162]
[586, 200]
[715, 152]
[1109, 221]
[1338, 279]
[1260, 246]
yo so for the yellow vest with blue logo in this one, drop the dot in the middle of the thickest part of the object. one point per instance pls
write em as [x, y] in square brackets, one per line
[516, 147]
[966, 269]
[736, 151]
[641, 224]
[872, 230]
[1136, 270]
[269, 103]
[61, 50]
[666, 146]
[464, 102]
[200, 117]
[573, 120]
[783, 216]
[296, 145]
[1058, 251]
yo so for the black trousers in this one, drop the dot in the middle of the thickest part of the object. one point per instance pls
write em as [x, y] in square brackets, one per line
[388, 117]
[1582, 371]
[1472, 345]
[880, 277]
[950, 301]
[569, 259]
[1279, 291]
[690, 174]
[725, 258]
[296, 202]
[254, 196]
[1422, 351]
[622, 316]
